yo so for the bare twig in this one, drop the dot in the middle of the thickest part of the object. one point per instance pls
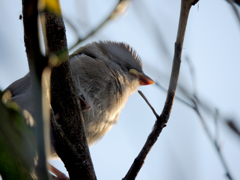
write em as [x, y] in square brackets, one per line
[163, 119]
[192, 74]
[231, 124]
[176, 97]
[237, 2]
[234, 8]
[119, 9]
[214, 141]
[144, 97]
[150, 24]
[36, 64]
[71, 25]
[195, 101]
[90, 34]
[216, 115]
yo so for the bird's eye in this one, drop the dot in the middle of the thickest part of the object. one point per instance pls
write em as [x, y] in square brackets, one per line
[128, 67]
[90, 55]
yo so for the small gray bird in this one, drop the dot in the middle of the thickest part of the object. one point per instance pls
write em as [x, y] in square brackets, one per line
[105, 74]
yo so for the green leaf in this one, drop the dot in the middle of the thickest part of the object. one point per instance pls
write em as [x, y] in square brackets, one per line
[17, 145]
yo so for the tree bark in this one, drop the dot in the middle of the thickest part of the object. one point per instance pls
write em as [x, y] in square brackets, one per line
[69, 137]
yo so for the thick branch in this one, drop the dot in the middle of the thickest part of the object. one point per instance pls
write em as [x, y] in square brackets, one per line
[36, 64]
[66, 106]
[163, 119]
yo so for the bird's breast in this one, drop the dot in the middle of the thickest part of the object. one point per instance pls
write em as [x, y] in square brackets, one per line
[104, 113]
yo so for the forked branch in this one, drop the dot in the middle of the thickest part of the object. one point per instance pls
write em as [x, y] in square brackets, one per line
[163, 118]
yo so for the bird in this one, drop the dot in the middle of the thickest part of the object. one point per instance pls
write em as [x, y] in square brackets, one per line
[105, 75]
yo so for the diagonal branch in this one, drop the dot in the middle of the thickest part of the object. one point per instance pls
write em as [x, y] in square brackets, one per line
[119, 9]
[146, 100]
[36, 63]
[70, 141]
[231, 2]
[163, 118]
[214, 140]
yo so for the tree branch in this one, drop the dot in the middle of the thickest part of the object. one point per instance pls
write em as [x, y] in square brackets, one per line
[36, 64]
[119, 9]
[70, 141]
[163, 119]
[146, 100]
[231, 2]
[214, 140]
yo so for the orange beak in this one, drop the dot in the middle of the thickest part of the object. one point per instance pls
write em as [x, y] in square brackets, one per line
[144, 79]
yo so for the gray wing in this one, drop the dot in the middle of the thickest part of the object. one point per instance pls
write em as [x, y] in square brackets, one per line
[21, 93]
[20, 86]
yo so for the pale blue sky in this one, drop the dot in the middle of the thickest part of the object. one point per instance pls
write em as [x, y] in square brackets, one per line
[211, 42]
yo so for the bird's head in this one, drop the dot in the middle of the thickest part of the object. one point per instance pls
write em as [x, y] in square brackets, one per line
[121, 55]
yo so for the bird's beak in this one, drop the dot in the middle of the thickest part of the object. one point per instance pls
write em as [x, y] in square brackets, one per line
[144, 79]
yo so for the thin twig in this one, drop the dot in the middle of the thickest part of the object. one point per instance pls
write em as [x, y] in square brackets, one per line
[216, 115]
[237, 2]
[112, 15]
[231, 123]
[213, 140]
[192, 74]
[163, 119]
[71, 25]
[234, 9]
[146, 100]
[150, 24]
[176, 97]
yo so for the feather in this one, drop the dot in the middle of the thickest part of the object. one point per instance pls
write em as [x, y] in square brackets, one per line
[20, 86]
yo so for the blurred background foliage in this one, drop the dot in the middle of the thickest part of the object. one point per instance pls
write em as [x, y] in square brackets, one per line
[17, 144]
